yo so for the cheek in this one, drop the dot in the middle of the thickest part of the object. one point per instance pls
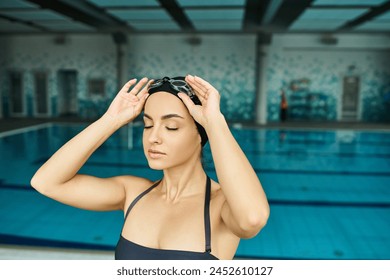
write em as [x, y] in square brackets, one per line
[186, 143]
[144, 137]
[179, 143]
[182, 141]
[146, 140]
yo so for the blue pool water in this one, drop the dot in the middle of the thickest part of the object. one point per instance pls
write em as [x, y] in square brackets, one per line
[329, 191]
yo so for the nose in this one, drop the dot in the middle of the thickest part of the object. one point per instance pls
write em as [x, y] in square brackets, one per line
[154, 135]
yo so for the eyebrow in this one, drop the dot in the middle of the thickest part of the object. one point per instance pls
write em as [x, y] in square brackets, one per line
[165, 117]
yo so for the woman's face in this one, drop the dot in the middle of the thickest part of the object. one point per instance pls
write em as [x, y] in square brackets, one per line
[170, 135]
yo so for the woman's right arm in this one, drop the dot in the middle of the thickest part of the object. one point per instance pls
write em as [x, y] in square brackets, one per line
[58, 178]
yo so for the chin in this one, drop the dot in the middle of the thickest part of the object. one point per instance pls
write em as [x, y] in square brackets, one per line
[156, 166]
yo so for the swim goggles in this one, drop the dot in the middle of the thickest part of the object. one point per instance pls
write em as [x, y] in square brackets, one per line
[178, 85]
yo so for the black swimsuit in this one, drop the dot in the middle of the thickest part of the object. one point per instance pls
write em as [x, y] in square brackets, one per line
[127, 250]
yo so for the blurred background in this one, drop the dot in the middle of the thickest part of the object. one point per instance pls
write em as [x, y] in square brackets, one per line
[305, 87]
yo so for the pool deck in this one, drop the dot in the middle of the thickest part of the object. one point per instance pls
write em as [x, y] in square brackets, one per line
[8, 252]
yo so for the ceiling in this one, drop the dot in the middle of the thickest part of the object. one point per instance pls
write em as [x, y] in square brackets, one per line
[194, 16]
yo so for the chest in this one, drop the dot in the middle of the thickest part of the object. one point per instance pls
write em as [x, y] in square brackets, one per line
[154, 222]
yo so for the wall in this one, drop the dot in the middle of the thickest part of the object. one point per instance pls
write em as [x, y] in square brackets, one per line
[2, 73]
[297, 57]
[228, 62]
[92, 57]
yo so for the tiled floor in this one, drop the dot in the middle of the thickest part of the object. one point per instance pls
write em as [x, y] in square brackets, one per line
[40, 253]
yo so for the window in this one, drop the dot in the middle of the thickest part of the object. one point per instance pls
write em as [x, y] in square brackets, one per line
[16, 93]
[96, 87]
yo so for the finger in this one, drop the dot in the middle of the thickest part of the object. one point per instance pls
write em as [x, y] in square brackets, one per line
[139, 86]
[207, 87]
[203, 83]
[191, 80]
[197, 83]
[202, 99]
[127, 86]
[141, 103]
[187, 101]
[198, 90]
[144, 90]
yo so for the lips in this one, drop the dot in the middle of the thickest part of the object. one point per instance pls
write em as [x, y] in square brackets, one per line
[154, 154]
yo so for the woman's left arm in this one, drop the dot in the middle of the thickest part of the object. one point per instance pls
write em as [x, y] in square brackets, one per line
[246, 208]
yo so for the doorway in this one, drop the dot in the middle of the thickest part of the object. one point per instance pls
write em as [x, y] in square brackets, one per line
[41, 97]
[16, 98]
[350, 100]
[67, 93]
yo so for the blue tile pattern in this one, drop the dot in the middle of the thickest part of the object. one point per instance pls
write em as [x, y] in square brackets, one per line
[324, 71]
[228, 63]
[88, 60]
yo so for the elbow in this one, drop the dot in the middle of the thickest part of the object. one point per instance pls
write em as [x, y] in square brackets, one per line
[34, 183]
[254, 223]
[37, 184]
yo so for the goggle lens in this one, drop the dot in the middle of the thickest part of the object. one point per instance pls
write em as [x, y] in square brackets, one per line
[178, 85]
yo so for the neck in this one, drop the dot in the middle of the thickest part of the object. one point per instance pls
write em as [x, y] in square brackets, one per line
[183, 181]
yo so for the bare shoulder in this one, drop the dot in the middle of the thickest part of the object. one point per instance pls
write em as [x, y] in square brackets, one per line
[133, 186]
[134, 183]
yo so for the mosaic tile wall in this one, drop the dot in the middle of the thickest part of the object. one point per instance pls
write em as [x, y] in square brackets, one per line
[322, 73]
[90, 57]
[227, 62]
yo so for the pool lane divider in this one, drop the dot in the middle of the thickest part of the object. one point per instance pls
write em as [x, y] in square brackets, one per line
[25, 129]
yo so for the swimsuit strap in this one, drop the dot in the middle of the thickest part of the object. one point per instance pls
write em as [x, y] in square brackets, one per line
[206, 210]
[140, 196]
[207, 215]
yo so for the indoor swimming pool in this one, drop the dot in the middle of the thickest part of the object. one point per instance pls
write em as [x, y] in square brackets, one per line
[329, 191]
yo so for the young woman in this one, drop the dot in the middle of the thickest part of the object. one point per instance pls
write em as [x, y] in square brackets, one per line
[185, 215]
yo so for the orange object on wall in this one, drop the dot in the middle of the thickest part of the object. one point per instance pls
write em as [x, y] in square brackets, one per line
[283, 103]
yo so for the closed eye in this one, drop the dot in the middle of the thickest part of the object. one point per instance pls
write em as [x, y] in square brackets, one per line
[169, 128]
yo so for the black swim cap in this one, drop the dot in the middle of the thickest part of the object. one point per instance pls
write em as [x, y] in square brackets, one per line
[169, 85]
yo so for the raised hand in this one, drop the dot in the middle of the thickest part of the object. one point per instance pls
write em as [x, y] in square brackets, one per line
[128, 104]
[209, 97]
